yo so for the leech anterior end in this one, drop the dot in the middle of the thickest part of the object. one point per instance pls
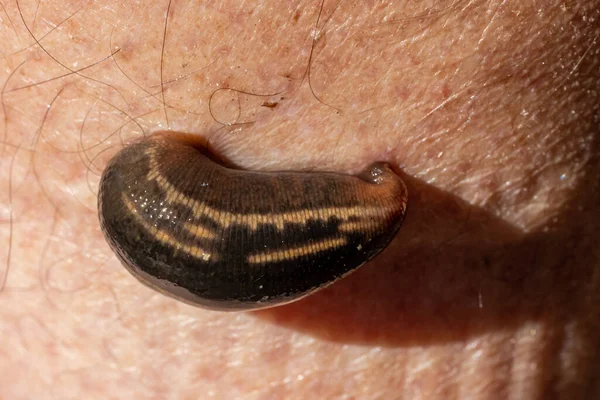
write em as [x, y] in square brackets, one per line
[229, 239]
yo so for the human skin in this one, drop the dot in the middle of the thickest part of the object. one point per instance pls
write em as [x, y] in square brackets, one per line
[490, 110]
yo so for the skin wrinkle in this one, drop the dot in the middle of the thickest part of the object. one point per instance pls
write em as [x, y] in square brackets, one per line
[496, 244]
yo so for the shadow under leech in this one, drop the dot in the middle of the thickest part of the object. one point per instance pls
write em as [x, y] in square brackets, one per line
[453, 271]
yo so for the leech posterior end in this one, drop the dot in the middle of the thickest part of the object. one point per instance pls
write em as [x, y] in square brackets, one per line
[229, 239]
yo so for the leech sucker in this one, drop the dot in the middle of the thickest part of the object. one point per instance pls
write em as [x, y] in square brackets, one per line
[229, 239]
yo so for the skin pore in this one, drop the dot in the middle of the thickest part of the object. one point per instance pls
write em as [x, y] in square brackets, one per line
[490, 109]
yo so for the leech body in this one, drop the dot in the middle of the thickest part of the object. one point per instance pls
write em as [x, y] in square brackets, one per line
[228, 239]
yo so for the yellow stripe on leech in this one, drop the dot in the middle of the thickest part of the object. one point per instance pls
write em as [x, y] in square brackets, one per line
[351, 227]
[361, 226]
[225, 219]
[292, 253]
[163, 237]
[199, 231]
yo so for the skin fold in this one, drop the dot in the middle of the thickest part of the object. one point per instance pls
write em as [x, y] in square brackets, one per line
[489, 108]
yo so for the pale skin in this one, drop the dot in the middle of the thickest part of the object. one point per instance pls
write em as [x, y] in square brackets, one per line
[490, 290]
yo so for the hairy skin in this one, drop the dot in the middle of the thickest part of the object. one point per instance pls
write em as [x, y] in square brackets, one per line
[492, 287]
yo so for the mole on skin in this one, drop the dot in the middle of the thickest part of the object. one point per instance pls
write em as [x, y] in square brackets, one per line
[228, 239]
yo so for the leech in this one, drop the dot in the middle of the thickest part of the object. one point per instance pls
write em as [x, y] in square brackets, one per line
[228, 239]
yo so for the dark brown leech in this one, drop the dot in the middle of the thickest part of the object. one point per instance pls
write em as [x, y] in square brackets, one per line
[228, 239]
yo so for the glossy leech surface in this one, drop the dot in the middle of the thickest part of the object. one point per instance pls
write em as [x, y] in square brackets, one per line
[229, 239]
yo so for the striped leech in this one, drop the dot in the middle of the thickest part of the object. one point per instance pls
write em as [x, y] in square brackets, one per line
[228, 239]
